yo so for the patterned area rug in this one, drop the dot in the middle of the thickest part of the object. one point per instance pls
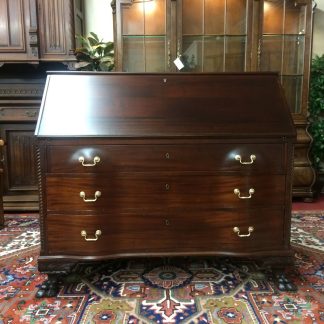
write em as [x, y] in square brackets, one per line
[182, 290]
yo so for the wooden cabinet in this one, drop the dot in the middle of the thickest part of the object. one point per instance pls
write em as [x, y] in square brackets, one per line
[42, 33]
[18, 32]
[225, 36]
[56, 30]
[156, 165]
[39, 30]
[19, 107]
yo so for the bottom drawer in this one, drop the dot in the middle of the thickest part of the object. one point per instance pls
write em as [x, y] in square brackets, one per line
[188, 231]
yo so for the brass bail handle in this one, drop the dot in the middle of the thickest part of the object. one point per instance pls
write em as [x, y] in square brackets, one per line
[84, 234]
[237, 230]
[239, 158]
[96, 195]
[96, 160]
[238, 193]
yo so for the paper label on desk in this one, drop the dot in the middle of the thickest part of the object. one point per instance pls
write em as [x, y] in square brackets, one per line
[178, 63]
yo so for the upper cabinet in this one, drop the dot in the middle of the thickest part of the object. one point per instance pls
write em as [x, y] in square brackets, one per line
[39, 30]
[206, 35]
[18, 31]
[56, 30]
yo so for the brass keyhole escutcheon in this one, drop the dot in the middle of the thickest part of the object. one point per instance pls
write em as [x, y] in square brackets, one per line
[167, 222]
[167, 187]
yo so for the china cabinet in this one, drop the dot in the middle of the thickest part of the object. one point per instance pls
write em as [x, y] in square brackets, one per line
[225, 36]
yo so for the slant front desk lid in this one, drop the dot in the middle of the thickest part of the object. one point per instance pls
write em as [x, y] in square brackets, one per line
[78, 104]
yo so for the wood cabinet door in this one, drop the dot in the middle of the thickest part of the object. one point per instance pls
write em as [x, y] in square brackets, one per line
[18, 32]
[56, 30]
[20, 182]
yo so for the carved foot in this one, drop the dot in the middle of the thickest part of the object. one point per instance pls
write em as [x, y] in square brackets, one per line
[49, 288]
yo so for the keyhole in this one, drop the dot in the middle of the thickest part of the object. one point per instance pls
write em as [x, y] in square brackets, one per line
[167, 156]
[167, 186]
[167, 222]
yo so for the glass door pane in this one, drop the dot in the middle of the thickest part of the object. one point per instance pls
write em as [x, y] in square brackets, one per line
[214, 35]
[144, 36]
[283, 46]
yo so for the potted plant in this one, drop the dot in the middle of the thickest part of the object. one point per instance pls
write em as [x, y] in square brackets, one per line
[94, 54]
[316, 114]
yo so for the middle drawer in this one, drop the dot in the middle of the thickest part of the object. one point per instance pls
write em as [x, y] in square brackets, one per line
[126, 191]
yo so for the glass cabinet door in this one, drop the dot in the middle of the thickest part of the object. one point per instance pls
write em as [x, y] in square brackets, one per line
[213, 35]
[144, 36]
[283, 46]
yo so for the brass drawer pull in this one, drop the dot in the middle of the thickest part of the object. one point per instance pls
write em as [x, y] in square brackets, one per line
[96, 160]
[238, 193]
[237, 230]
[97, 234]
[239, 158]
[97, 194]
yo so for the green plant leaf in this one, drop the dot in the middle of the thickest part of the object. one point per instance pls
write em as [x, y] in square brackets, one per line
[96, 54]
[95, 36]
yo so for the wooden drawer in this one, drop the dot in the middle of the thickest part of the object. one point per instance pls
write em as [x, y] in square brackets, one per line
[131, 233]
[18, 114]
[149, 191]
[137, 158]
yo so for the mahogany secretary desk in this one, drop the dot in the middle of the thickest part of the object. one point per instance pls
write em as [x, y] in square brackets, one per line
[133, 165]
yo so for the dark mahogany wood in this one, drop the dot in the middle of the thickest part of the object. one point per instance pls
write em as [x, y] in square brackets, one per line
[161, 150]
[184, 157]
[144, 191]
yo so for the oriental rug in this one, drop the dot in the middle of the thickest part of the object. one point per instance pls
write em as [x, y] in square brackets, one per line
[175, 290]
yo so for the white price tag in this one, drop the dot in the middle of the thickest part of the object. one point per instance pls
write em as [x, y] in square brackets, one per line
[178, 63]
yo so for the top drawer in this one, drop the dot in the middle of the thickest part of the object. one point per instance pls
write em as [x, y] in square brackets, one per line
[187, 157]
